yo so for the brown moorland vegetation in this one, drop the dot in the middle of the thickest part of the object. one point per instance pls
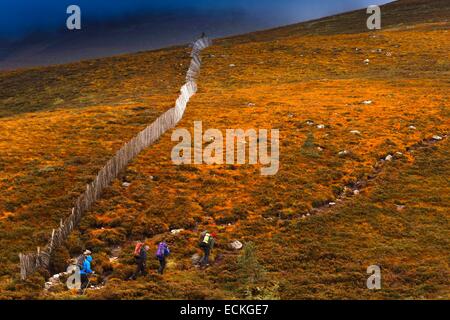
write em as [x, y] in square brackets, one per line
[60, 124]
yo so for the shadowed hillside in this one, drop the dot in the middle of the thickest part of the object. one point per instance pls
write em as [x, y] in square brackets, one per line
[315, 226]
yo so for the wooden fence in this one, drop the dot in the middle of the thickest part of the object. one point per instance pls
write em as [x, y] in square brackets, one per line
[29, 263]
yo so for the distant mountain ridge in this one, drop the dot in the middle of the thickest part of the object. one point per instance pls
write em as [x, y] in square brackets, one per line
[139, 33]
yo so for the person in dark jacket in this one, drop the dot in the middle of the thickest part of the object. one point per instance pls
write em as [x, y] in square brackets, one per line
[161, 254]
[141, 263]
[206, 244]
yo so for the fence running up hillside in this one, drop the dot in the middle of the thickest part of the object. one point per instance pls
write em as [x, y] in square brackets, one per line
[29, 263]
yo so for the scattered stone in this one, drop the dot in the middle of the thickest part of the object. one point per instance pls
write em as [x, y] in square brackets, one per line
[251, 104]
[366, 61]
[355, 192]
[332, 203]
[308, 214]
[232, 65]
[309, 122]
[355, 132]
[388, 157]
[399, 154]
[379, 50]
[367, 102]
[126, 184]
[195, 258]
[437, 138]
[412, 128]
[236, 245]
[388, 54]
[319, 148]
[343, 153]
[176, 231]
[320, 126]
[400, 207]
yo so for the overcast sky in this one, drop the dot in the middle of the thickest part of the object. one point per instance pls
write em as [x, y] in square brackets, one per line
[18, 18]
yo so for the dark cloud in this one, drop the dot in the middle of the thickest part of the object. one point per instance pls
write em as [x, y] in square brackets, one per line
[19, 18]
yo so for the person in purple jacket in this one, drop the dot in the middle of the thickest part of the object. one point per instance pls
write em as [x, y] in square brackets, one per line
[161, 254]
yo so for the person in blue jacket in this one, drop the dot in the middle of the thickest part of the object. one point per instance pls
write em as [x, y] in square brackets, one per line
[85, 271]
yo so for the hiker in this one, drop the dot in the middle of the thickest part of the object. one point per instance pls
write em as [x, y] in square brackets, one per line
[140, 255]
[80, 259]
[161, 254]
[206, 244]
[86, 270]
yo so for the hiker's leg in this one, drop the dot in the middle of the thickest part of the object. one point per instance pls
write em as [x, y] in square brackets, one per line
[207, 250]
[162, 263]
[138, 270]
[84, 281]
[143, 267]
[202, 259]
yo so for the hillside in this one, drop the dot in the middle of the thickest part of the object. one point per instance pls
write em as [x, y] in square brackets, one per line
[60, 124]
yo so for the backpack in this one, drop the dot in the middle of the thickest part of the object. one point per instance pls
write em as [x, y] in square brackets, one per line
[137, 249]
[80, 261]
[163, 250]
[206, 240]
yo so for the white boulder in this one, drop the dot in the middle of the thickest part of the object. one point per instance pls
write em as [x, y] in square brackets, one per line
[236, 245]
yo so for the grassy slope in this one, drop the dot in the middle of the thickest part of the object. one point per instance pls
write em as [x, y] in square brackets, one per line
[292, 74]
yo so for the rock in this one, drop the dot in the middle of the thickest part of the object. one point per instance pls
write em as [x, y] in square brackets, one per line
[176, 231]
[232, 65]
[437, 138]
[412, 128]
[400, 207]
[332, 203]
[367, 102]
[355, 192]
[251, 104]
[195, 258]
[366, 61]
[355, 132]
[308, 214]
[347, 191]
[236, 245]
[309, 122]
[47, 285]
[343, 153]
[399, 154]
[126, 184]
[388, 54]
[319, 148]
[320, 126]
[388, 157]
